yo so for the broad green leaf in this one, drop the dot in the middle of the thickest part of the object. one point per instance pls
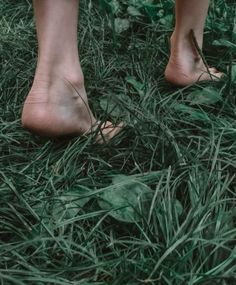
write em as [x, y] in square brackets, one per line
[121, 25]
[111, 6]
[151, 10]
[206, 96]
[115, 106]
[193, 113]
[133, 11]
[110, 107]
[126, 199]
[67, 206]
[138, 86]
[167, 21]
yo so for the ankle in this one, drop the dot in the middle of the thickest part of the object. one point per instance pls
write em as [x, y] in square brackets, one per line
[183, 41]
[183, 50]
[72, 73]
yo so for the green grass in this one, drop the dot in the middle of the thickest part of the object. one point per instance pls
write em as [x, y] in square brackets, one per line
[63, 205]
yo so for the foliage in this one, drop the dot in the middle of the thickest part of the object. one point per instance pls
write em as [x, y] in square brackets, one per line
[172, 170]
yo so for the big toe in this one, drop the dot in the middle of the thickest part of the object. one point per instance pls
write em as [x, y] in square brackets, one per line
[215, 73]
[106, 131]
[211, 74]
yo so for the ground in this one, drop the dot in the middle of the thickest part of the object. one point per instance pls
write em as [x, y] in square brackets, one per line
[171, 171]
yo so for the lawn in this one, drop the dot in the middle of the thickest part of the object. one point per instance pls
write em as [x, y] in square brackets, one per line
[154, 206]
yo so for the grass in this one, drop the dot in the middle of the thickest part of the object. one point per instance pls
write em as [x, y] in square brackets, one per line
[154, 206]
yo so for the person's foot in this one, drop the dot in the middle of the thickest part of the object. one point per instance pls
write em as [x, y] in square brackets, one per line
[185, 66]
[58, 107]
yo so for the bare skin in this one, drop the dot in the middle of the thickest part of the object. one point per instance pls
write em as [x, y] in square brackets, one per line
[185, 66]
[57, 103]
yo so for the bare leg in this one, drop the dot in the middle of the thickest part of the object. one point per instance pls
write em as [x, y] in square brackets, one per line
[185, 65]
[57, 103]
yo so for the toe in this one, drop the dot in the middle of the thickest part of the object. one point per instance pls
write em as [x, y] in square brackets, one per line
[106, 131]
[213, 74]
[213, 70]
[216, 73]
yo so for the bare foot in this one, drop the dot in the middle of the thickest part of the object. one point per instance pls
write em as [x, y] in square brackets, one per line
[57, 107]
[185, 66]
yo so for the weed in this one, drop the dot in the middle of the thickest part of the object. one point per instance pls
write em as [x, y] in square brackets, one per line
[154, 206]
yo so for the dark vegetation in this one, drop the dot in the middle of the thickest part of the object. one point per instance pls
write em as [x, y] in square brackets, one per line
[154, 206]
